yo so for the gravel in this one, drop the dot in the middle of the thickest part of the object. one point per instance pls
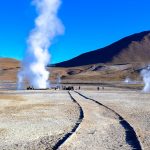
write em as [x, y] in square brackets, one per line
[31, 121]
[99, 130]
[134, 106]
[37, 120]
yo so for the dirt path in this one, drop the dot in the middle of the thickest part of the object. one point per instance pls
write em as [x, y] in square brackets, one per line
[88, 120]
[131, 136]
[134, 106]
[78, 122]
[100, 129]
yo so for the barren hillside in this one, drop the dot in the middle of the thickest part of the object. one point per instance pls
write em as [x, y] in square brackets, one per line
[116, 62]
[131, 49]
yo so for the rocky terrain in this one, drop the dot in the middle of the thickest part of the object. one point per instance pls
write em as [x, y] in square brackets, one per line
[96, 73]
[87, 119]
[35, 120]
[133, 105]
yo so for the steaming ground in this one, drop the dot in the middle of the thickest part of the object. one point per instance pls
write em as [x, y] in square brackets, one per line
[39, 119]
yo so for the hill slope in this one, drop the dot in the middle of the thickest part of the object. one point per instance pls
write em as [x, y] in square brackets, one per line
[134, 48]
[8, 63]
[8, 69]
[116, 62]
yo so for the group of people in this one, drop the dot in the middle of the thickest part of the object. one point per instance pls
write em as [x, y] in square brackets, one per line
[98, 88]
[65, 88]
[30, 88]
[68, 88]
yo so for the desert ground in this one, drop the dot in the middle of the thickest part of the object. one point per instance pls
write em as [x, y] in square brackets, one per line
[85, 119]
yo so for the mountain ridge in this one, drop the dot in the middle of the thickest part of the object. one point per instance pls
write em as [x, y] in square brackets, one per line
[121, 51]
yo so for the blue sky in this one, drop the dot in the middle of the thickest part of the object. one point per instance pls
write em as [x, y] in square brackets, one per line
[89, 25]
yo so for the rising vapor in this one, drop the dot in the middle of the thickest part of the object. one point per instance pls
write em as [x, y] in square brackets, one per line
[145, 73]
[47, 26]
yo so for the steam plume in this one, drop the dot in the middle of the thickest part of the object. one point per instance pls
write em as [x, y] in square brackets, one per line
[145, 73]
[47, 26]
[58, 81]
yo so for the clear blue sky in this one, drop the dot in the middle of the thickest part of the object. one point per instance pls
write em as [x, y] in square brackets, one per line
[89, 25]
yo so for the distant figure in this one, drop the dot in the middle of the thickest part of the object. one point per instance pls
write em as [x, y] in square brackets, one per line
[79, 87]
[29, 88]
[98, 88]
[102, 87]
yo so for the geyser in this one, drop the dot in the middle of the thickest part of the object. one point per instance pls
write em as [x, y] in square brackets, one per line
[58, 82]
[37, 57]
[145, 73]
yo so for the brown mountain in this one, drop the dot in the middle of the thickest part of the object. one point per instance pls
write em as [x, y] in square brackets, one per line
[115, 62]
[8, 63]
[8, 69]
[134, 48]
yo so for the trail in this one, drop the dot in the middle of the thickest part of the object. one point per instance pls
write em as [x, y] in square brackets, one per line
[131, 137]
[100, 128]
[66, 136]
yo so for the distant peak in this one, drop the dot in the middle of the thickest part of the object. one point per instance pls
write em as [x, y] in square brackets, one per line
[122, 51]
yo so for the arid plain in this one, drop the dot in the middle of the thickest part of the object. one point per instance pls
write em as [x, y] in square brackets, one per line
[111, 118]
[115, 116]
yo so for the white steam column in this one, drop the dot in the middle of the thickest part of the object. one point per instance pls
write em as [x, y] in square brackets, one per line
[47, 26]
[146, 78]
